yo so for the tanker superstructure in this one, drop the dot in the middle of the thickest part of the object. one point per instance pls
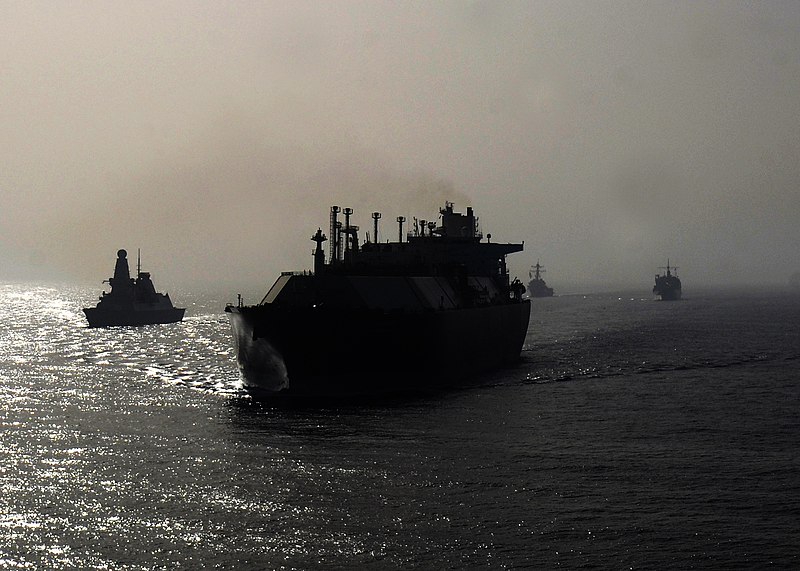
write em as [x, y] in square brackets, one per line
[433, 309]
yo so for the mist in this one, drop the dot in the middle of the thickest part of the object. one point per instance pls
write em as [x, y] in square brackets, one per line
[608, 136]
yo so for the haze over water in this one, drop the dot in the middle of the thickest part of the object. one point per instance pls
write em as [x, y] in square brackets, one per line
[608, 136]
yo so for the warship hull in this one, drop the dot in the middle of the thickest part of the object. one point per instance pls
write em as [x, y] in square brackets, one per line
[99, 317]
[537, 288]
[326, 351]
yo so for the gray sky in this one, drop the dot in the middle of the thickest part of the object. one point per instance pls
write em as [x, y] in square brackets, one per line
[215, 135]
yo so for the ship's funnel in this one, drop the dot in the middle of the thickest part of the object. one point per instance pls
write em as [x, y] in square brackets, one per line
[375, 217]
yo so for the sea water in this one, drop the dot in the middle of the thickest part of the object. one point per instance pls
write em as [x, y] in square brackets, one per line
[634, 433]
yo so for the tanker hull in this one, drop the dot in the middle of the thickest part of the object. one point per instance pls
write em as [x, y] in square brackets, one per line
[319, 351]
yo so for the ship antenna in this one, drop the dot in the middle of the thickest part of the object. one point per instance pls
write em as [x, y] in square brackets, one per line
[138, 261]
[668, 268]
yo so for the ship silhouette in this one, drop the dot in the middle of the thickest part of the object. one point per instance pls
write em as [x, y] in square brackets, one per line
[132, 301]
[537, 286]
[668, 285]
[433, 309]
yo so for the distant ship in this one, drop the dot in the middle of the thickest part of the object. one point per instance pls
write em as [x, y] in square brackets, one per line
[668, 286]
[132, 301]
[434, 309]
[537, 287]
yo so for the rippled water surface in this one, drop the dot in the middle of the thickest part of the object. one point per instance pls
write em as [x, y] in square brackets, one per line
[634, 433]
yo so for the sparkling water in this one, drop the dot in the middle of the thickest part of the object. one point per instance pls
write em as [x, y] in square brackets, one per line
[634, 433]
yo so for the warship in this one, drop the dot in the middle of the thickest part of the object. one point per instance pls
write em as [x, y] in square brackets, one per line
[132, 301]
[668, 285]
[434, 309]
[537, 286]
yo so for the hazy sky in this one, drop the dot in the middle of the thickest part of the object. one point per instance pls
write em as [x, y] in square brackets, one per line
[215, 135]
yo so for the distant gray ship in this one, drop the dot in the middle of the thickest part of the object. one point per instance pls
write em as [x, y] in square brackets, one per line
[537, 286]
[132, 301]
[668, 286]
